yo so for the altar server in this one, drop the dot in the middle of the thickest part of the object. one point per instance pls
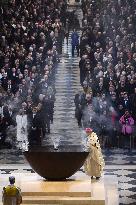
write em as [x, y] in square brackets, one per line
[11, 194]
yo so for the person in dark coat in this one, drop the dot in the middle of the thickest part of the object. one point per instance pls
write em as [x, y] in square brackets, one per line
[3, 128]
[75, 42]
[46, 110]
[79, 103]
[82, 66]
[126, 102]
[35, 127]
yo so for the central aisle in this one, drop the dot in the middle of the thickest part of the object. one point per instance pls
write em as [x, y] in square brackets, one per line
[67, 84]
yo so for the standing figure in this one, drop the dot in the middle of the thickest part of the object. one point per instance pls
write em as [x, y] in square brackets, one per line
[11, 194]
[94, 163]
[22, 134]
[127, 124]
[3, 129]
[67, 30]
[79, 103]
[75, 42]
[35, 127]
[46, 110]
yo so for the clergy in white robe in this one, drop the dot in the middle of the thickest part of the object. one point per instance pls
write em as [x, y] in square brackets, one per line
[22, 133]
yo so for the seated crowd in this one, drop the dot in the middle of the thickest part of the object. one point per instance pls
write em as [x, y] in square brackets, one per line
[107, 102]
[30, 40]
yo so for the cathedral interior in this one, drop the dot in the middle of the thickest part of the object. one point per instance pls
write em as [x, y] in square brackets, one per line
[65, 67]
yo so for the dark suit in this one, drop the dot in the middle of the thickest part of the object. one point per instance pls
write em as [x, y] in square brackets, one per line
[127, 104]
[4, 83]
[35, 128]
[46, 111]
[79, 103]
[9, 117]
[3, 127]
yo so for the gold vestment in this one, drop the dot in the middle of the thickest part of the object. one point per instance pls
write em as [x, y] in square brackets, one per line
[94, 163]
[11, 195]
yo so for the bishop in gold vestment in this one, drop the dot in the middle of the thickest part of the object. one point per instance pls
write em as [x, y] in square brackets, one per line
[94, 163]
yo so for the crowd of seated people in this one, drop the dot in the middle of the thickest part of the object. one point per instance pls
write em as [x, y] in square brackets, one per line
[30, 40]
[107, 102]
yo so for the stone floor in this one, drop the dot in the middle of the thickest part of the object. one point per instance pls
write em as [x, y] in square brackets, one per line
[67, 84]
[119, 162]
